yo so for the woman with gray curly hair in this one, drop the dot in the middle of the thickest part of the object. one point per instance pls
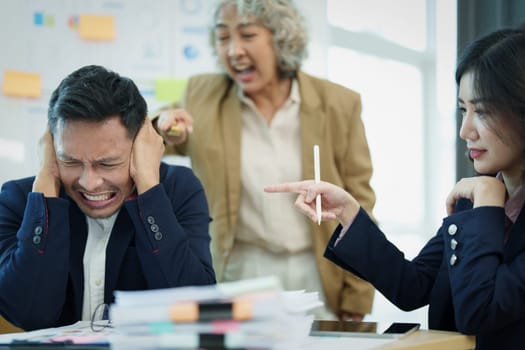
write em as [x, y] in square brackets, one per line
[289, 36]
[256, 123]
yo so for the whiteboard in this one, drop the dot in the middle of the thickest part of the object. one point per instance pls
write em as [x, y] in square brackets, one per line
[153, 40]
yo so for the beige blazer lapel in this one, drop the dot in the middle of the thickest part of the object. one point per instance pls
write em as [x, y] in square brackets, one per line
[312, 125]
[231, 123]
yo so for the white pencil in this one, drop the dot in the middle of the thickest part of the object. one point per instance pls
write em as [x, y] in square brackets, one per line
[317, 179]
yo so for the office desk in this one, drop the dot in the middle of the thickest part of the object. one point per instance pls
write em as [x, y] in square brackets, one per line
[6, 327]
[419, 340]
[432, 340]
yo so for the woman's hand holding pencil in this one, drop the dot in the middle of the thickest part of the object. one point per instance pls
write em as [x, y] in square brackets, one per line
[336, 203]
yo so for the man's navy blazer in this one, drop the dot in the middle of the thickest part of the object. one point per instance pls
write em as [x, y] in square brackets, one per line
[160, 239]
[472, 281]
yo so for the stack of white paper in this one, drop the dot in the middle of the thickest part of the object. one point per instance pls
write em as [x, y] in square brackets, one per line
[253, 314]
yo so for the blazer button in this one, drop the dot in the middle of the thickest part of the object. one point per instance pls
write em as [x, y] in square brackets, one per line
[151, 220]
[453, 244]
[38, 230]
[154, 228]
[158, 236]
[453, 259]
[452, 229]
[36, 239]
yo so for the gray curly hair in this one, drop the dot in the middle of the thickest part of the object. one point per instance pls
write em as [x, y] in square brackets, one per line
[283, 20]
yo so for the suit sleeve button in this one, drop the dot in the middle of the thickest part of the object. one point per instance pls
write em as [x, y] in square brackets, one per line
[154, 228]
[38, 230]
[158, 236]
[453, 244]
[452, 229]
[151, 220]
[453, 259]
[36, 239]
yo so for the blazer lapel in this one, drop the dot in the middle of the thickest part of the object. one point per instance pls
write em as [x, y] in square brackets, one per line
[311, 119]
[78, 228]
[231, 124]
[516, 241]
[121, 236]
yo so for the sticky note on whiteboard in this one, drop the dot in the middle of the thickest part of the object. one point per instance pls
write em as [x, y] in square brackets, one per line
[169, 90]
[22, 84]
[96, 27]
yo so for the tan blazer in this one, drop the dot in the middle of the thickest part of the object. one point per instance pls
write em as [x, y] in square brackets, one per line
[330, 117]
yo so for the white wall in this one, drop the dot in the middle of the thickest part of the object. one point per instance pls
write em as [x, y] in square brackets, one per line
[154, 40]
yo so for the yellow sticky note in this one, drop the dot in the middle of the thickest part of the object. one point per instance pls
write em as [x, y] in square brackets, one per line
[22, 84]
[169, 90]
[96, 27]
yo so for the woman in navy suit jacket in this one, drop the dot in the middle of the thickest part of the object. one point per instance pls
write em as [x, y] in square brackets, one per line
[472, 272]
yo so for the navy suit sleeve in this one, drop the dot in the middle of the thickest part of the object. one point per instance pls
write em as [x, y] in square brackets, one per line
[365, 250]
[488, 290]
[34, 255]
[171, 222]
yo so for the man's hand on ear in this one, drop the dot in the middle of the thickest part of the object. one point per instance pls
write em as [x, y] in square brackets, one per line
[146, 155]
[47, 179]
